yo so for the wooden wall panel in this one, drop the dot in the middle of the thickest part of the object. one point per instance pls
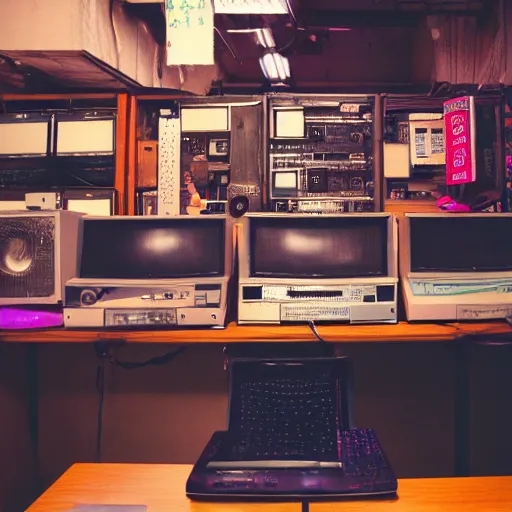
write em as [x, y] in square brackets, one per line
[17, 470]
[120, 181]
[246, 149]
[166, 414]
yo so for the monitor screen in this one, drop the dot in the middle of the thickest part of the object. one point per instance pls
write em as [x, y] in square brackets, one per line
[96, 207]
[461, 244]
[318, 247]
[24, 139]
[285, 183]
[204, 119]
[289, 123]
[286, 179]
[85, 137]
[152, 248]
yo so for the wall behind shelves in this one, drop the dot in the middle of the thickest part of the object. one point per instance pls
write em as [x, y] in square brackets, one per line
[17, 484]
[167, 414]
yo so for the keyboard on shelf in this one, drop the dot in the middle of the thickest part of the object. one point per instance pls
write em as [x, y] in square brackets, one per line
[361, 454]
[288, 418]
[362, 470]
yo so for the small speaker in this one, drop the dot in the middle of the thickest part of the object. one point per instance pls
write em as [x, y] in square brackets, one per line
[38, 254]
[250, 192]
[238, 206]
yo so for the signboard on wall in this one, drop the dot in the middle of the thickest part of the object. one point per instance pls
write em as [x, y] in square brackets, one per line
[459, 121]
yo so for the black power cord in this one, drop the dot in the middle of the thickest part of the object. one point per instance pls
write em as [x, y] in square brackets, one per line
[100, 388]
[312, 326]
[154, 361]
[104, 352]
[323, 343]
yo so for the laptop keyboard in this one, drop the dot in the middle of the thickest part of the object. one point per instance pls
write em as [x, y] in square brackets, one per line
[287, 419]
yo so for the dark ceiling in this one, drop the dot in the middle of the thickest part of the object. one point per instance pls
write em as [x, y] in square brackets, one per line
[343, 41]
[351, 42]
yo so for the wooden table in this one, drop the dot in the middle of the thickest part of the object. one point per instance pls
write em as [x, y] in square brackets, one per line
[401, 332]
[162, 489]
[471, 494]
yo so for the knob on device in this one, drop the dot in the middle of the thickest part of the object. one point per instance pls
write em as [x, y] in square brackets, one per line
[88, 297]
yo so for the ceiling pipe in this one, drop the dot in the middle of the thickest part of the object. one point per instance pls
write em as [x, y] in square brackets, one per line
[331, 19]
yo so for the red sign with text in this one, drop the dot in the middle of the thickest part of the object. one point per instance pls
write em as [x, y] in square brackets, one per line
[460, 167]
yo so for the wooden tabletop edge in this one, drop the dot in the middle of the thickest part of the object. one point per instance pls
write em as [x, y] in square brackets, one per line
[233, 333]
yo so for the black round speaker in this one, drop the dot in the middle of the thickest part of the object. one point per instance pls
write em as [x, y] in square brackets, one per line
[238, 206]
[88, 297]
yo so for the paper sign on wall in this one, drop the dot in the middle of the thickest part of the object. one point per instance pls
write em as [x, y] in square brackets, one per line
[189, 32]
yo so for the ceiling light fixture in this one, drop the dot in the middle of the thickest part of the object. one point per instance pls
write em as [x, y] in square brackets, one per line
[265, 38]
[275, 66]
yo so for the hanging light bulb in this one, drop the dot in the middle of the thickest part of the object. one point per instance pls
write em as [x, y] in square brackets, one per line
[275, 66]
[265, 38]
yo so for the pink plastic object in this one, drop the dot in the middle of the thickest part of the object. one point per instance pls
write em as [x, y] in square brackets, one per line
[447, 204]
[29, 319]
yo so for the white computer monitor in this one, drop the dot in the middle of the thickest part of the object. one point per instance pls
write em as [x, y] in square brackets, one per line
[456, 266]
[317, 267]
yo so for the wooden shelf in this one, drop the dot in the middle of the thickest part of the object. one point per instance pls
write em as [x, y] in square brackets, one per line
[401, 206]
[401, 332]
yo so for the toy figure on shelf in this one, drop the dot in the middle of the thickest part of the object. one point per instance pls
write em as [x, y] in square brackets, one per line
[190, 200]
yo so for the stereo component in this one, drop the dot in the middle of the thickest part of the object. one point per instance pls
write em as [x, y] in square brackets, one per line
[332, 161]
[38, 251]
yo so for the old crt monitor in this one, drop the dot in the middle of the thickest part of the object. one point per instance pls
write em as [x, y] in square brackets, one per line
[151, 271]
[324, 268]
[456, 266]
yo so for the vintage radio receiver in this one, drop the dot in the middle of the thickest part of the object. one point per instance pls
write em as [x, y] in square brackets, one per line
[151, 271]
[321, 155]
[427, 141]
[456, 266]
[326, 268]
[38, 252]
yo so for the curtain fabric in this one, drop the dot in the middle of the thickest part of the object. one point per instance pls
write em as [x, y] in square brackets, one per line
[468, 50]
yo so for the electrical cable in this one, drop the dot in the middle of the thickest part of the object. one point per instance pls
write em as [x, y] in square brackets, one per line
[154, 361]
[103, 353]
[312, 326]
[500, 343]
[219, 33]
[490, 338]
[100, 388]
[325, 345]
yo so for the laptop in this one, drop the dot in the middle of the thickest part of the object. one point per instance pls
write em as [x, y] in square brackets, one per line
[290, 436]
